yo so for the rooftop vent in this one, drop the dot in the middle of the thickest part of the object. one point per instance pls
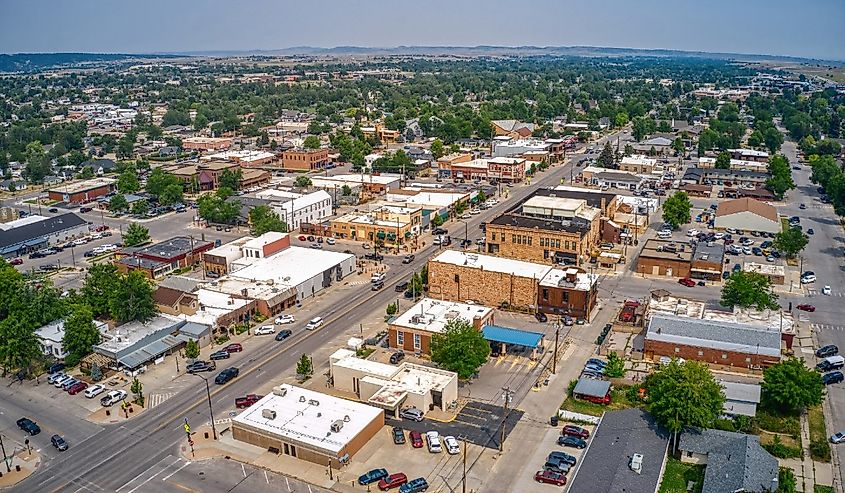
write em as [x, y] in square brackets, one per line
[302, 398]
[314, 402]
[336, 426]
[280, 391]
[268, 414]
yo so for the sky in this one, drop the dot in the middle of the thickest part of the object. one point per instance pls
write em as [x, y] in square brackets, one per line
[806, 28]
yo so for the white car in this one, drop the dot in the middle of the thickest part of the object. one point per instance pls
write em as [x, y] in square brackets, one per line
[492, 202]
[466, 215]
[314, 323]
[452, 447]
[285, 319]
[94, 390]
[719, 236]
[475, 211]
[664, 234]
[265, 330]
[808, 279]
[432, 438]
[747, 250]
[826, 290]
[330, 241]
[96, 236]
[79, 242]
[377, 277]
[62, 380]
[692, 232]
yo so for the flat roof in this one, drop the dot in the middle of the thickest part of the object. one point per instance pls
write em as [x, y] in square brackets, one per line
[591, 387]
[292, 266]
[554, 203]
[306, 417]
[638, 159]
[21, 222]
[765, 269]
[650, 250]
[715, 334]
[559, 278]
[126, 335]
[265, 239]
[542, 223]
[245, 155]
[432, 315]
[508, 335]
[230, 250]
[493, 264]
[360, 179]
[83, 186]
[171, 248]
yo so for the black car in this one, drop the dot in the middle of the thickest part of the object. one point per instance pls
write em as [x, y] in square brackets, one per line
[569, 441]
[440, 231]
[226, 375]
[219, 355]
[562, 457]
[398, 435]
[396, 357]
[29, 426]
[283, 334]
[832, 377]
[377, 285]
[90, 253]
[53, 209]
[402, 286]
[38, 254]
[55, 367]
[541, 317]
[59, 443]
[825, 351]
[373, 256]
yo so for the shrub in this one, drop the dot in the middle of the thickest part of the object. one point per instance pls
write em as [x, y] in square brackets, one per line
[724, 425]
[778, 449]
[820, 450]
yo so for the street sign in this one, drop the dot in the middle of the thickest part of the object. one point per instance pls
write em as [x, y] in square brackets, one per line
[187, 428]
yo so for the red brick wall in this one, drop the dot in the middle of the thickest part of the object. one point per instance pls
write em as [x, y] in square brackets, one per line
[656, 349]
[276, 246]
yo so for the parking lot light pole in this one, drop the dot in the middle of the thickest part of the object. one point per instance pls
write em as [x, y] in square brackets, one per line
[210, 410]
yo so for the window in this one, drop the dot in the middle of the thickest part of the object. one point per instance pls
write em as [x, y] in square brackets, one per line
[417, 341]
[513, 238]
[748, 359]
[493, 237]
[546, 294]
[701, 353]
[400, 338]
[566, 296]
[529, 240]
[724, 356]
[677, 350]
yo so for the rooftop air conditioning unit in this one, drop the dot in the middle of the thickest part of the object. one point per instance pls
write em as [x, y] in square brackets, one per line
[314, 402]
[280, 391]
[268, 414]
[337, 425]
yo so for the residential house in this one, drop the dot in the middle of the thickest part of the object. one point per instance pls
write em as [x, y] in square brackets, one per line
[733, 461]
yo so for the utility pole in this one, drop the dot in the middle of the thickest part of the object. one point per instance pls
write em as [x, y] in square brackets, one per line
[507, 396]
[557, 338]
[5, 457]
[464, 480]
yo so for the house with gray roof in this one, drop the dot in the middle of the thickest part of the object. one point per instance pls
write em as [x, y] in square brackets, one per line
[717, 342]
[606, 464]
[734, 461]
[741, 399]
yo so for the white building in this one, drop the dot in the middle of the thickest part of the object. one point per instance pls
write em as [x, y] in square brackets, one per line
[312, 208]
[52, 334]
[510, 147]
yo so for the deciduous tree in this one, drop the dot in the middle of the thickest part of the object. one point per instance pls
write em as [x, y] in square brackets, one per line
[460, 348]
[311, 142]
[684, 394]
[135, 235]
[676, 209]
[791, 241]
[749, 289]
[264, 219]
[790, 386]
[133, 298]
[81, 335]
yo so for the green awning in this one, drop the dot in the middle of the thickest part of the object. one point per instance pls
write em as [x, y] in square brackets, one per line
[380, 235]
[407, 234]
[391, 236]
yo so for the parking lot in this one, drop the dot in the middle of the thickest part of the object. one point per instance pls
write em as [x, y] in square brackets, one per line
[480, 423]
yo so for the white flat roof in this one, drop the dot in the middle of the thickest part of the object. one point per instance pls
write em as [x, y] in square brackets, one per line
[304, 201]
[292, 266]
[432, 315]
[266, 238]
[365, 178]
[638, 159]
[132, 332]
[21, 222]
[81, 186]
[506, 160]
[273, 193]
[245, 155]
[231, 250]
[556, 203]
[494, 264]
[440, 199]
[558, 278]
[306, 417]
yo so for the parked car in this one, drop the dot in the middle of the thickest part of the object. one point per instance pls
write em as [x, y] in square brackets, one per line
[377, 277]
[283, 334]
[808, 277]
[285, 319]
[376, 286]
[247, 400]
[416, 439]
[686, 281]
[55, 376]
[417, 485]
[826, 291]
[218, 355]
[558, 455]
[94, 390]
[825, 351]
[372, 476]
[77, 388]
[402, 286]
[432, 439]
[113, 397]
[412, 413]
[557, 466]
[314, 323]
[541, 317]
[226, 375]
[831, 363]
[550, 476]
[55, 367]
[201, 366]
[59, 382]
[398, 435]
[575, 431]
[570, 441]
[451, 443]
[832, 377]
[233, 348]
[596, 361]
[58, 442]
[265, 330]
[396, 357]
[28, 426]
[394, 480]
[837, 437]
[69, 383]
[806, 307]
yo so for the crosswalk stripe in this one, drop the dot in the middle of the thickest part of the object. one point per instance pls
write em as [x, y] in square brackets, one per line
[827, 327]
[154, 400]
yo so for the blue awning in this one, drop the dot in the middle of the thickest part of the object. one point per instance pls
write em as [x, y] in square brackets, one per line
[36, 241]
[515, 337]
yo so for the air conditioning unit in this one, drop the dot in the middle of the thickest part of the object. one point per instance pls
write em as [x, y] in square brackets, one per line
[280, 391]
[336, 426]
[268, 414]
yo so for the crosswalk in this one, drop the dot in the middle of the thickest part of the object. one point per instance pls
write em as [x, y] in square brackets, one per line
[827, 327]
[818, 292]
[154, 400]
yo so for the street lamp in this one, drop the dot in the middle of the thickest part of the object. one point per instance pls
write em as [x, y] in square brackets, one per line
[210, 410]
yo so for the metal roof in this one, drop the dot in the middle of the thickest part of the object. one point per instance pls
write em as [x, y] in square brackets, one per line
[516, 337]
[152, 351]
[592, 387]
[723, 335]
[40, 229]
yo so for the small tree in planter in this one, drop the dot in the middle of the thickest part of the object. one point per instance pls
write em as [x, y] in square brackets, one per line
[138, 389]
[304, 367]
[96, 373]
[192, 349]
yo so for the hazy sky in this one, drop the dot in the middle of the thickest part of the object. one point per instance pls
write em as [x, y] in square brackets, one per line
[809, 28]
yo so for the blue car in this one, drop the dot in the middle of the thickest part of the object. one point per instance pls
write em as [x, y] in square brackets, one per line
[414, 486]
[373, 476]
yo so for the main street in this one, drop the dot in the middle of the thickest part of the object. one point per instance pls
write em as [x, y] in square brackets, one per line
[112, 457]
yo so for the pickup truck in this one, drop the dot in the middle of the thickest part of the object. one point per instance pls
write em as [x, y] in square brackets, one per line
[247, 400]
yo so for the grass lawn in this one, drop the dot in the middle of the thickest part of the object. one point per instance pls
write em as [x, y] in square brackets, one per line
[822, 489]
[678, 474]
[619, 400]
[819, 447]
[778, 423]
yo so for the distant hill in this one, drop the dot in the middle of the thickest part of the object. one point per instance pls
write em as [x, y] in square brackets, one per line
[33, 62]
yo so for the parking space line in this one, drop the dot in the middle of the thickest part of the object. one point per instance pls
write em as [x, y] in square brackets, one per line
[154, 475]
[186, 464]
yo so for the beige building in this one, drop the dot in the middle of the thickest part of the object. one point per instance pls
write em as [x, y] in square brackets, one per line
[388, 224]
[748, 215]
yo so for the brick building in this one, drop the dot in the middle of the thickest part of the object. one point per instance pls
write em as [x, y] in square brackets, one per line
[506, 169]
[665, 258]
[389, 224]
[206, 143]
[159, 259]
[716, 342]
[569, 291]
[412, 331]
[82, 192]
[305, 159]
[218, 261]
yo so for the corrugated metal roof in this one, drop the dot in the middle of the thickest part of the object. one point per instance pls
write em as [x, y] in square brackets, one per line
[151, 351]
[507, 335]
[592, 387]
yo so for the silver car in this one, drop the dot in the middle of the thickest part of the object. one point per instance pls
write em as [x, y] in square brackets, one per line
[837, 437]
[412, 413]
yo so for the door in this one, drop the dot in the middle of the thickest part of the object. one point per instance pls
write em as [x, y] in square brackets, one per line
[655, 270]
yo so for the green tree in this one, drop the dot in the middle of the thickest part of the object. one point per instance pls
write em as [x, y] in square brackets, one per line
[755, 139]
[346, 191]
[437, 149]
[676, 209]
[749, 289]
[460, 348]
[678, 146]
[100, 284]
[135, 235]
[37, 162]
[200, 122]
[304, 367]
[81, 335]
[264, 219]
[773, 139]
[140, 207]
[606, 158]
[176, 117]
[437, 220]
[684, 394]
[137, 388]
[127, 182]
[723, 161]
[791, 241]
[96, 372]
[231, 179]
[311, 142]
[615, 366]
[86, 173]
[628, 150]
[172, 194]
[118, 203]
[302, 181]
[133, 298]
[481, 196]
[192, 349]
[621, 119]
[790, 386]
[780, 180]
[391, 309]
[643, 126]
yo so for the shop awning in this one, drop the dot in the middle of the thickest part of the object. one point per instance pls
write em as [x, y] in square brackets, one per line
[495, 333]
[408, 234]
[381, 235]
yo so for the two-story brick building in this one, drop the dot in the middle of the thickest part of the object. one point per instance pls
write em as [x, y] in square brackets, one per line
[305, 159]
[570, 291]
[412, 331]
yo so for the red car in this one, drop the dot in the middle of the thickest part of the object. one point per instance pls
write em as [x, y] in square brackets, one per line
[246, 401]
[233, 348]
[301, 237]
[550, 477]
[77, 388]
[16, 261]
[806, 308]
[395, 480]
[416, 439]
[686, 281]
[100, 228]
[575, 431]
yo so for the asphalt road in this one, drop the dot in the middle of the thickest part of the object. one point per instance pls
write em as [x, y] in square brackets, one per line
[111, 457]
